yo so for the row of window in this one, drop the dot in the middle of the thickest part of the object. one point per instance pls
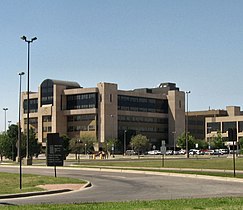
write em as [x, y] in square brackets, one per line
[81, 128]
[192, 122]
[33, 105]
[216, 126]
[141, 104]
[85, 117]
[90, 100]
[32, 121]
[146, 129]
[82, 101]
[47, 129]
[46, 118]
[47, 92]
[82, 96]
[123, 118]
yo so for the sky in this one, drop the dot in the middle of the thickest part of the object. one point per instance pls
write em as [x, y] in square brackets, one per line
[197, 44]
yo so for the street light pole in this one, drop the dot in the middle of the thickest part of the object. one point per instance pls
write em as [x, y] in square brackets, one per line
[125, 141]
[209, 131]
[174, 132]
[85, 149]
[28, 96]
[9, 123]
[19, 133]
[5, 118]
[187, 152]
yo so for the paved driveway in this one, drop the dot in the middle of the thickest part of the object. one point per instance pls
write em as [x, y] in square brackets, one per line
[123, 186]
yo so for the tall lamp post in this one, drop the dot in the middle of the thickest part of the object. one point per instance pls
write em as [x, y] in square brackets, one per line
[19, 133]
[5, 118]
[187, 152]
[28, 160]
[209, 131]
[125, 141]
[9, 123]
[174, 132]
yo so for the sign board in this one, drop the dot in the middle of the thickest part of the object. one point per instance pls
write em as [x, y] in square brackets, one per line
[163, 143]
[163, 150]
[54, 149]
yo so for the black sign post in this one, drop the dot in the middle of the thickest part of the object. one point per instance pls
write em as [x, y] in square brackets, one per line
[54, 149]
[232, 136]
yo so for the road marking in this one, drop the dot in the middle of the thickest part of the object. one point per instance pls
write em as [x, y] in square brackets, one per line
[122, 177]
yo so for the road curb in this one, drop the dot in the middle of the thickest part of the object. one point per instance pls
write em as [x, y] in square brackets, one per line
[46, 192]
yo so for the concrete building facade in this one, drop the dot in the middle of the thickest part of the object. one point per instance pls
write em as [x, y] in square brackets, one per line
[233, 119]
[197, 120]
[106, 112]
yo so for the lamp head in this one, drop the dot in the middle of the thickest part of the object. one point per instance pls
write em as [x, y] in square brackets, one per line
[33, 39]
[24, 38]
[21, 73]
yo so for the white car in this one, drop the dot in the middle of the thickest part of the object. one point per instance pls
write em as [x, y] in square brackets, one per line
[154, 152]
[194, 152]
[169, 152]
[182, 152]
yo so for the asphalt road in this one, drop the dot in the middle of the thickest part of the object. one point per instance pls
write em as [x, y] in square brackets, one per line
[123, 186]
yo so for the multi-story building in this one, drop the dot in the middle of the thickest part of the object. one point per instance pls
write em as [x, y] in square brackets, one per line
[106, 112]
[196, 121]
[234, 119]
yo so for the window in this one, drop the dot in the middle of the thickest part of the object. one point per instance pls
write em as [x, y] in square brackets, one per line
[240, 126]
[46, 118]
[84, 117]
[82, 101]
[91, 127]
[213, 126]
[33, 105]
[47, 92]
[142, 104]
[227, 125]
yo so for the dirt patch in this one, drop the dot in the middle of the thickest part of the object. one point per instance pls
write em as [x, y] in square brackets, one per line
[61, 186]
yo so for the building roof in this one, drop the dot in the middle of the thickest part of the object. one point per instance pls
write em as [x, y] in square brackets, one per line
[69, 84]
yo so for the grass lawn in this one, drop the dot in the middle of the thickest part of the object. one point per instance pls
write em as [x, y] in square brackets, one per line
[180, 204]
[10, 182]
[200, 163]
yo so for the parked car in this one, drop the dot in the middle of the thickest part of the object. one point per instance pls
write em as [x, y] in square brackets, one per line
[182, 152]
[169, 152]
[218, 152]
[154, 152]
[224, 151]
[130, 152]
[209, 152]
[194, 152]
[176, 152]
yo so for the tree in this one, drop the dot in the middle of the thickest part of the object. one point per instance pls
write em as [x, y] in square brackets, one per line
[181, 142]
[140, 143]
[12, 133]
[217, 141]
[34, 146]
[78, 145]
[1, 146]
[66, 149]
[6, 145]
[202, 144]
[241, 145]
[9, 141]
[111, 143]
